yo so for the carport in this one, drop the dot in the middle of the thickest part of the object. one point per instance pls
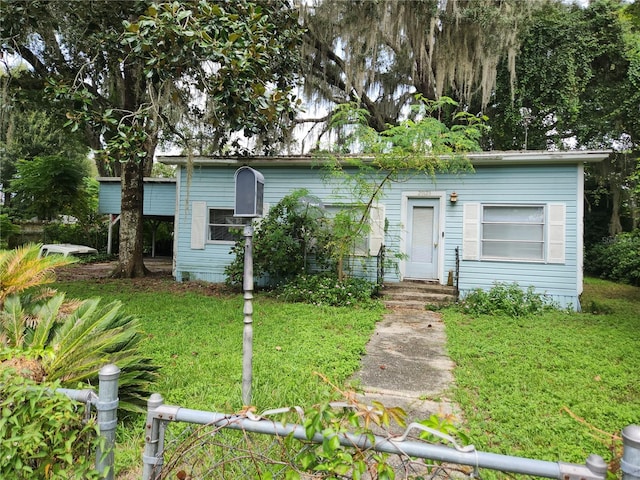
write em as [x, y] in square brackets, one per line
[159, 203]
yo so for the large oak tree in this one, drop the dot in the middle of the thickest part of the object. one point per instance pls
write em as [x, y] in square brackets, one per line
[381, 54]
[135, 71]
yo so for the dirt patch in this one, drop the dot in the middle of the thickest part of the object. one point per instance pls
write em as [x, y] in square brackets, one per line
[158, 279]
[158, 267]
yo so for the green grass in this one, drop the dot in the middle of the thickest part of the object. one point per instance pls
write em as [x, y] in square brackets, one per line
[515, 379]
[197, 339]
[518, 379]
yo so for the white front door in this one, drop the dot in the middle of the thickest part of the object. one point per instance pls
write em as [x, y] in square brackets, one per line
[422, 239]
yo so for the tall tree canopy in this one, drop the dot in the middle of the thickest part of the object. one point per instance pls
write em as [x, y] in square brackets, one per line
[380, 54]
[136, 70]
[30, 129]
[578, 86]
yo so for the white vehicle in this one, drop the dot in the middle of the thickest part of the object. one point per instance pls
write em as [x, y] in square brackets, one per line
[66, 249]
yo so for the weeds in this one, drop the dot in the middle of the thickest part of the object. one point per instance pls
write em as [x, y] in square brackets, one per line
[507, 299]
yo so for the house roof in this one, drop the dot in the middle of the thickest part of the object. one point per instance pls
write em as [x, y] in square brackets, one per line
[146, 180]
[521, 157]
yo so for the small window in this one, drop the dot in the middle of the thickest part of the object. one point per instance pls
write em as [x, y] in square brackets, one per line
[223, 226]
[513, 232]
[362, 244]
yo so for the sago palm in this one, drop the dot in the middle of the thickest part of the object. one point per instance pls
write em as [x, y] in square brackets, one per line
[56, 339]
[22, 269]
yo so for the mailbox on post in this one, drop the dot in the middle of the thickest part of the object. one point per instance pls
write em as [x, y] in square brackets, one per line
[249, 193]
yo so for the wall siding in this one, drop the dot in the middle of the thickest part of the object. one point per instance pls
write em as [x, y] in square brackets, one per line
[489, 184]
[159, 198]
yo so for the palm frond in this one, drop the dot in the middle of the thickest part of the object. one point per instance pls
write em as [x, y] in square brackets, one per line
[22, 268]
[47, 319]
[13, 322]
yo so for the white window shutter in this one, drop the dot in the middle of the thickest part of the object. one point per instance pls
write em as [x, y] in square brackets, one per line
[471, 231]
[198, 224]
[376, 234]
[556, 233]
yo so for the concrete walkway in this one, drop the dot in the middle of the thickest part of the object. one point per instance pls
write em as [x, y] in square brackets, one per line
[406, 364]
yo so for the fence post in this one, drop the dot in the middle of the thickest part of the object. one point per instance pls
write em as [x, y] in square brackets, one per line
[107, 407]
[630, 463]
[151, 461]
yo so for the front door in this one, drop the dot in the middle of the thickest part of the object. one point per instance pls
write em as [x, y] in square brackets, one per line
[422, 239]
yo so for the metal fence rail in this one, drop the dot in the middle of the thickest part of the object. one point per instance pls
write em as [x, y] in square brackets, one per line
[160, 415]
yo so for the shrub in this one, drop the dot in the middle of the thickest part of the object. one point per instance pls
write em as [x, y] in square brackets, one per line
[507, 299]
[93, 233]
[285, 242]
[42, 434]
[68, 339]
[616, 258]
[326, 289]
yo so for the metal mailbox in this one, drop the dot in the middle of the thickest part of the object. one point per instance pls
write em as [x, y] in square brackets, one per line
[249, 193]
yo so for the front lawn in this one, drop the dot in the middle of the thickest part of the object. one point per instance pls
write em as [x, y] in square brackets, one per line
[541, 387]
[196, 333]
[544, 387]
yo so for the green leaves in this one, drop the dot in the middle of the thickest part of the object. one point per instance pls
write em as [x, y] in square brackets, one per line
[43, 435]
[69, 340]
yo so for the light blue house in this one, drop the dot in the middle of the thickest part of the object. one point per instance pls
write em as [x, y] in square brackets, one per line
[517, 218]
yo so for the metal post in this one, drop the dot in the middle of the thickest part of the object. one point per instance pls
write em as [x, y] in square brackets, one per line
[630, 463]
[152, 462]
[247, 334]
[107, 407]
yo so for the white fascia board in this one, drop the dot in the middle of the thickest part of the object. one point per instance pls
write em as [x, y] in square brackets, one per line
[524, 157]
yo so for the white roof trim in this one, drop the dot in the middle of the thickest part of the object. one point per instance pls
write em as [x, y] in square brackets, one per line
[146, 179]
[524, 157]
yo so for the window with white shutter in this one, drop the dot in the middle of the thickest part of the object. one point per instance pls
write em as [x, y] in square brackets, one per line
[534, 233]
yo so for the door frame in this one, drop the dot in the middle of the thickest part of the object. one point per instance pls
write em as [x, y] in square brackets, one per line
[440, 197]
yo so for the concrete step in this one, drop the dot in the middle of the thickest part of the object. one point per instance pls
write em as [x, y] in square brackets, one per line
[417, 295]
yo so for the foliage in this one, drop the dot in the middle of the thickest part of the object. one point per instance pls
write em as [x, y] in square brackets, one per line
[49, 186]
[7, 229]
[333, 421]
[554, 386]
[576, 86]
[67, 340]
[507, 299]
[43, 435]
[616, 258]
[21, 269]
[421, 145]
[327, 289]
[287, 242]
[128, 72]
[381, 53]
[31, 129]
[72, 340]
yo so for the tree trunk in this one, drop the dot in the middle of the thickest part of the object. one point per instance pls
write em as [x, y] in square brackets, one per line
[130, 259]
[615, 225]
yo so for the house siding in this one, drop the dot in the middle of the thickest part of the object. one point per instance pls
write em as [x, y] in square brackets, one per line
[159, 197]
[514, 184]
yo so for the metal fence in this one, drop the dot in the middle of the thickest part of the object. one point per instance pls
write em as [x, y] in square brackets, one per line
[106, 406]
[405, 447]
